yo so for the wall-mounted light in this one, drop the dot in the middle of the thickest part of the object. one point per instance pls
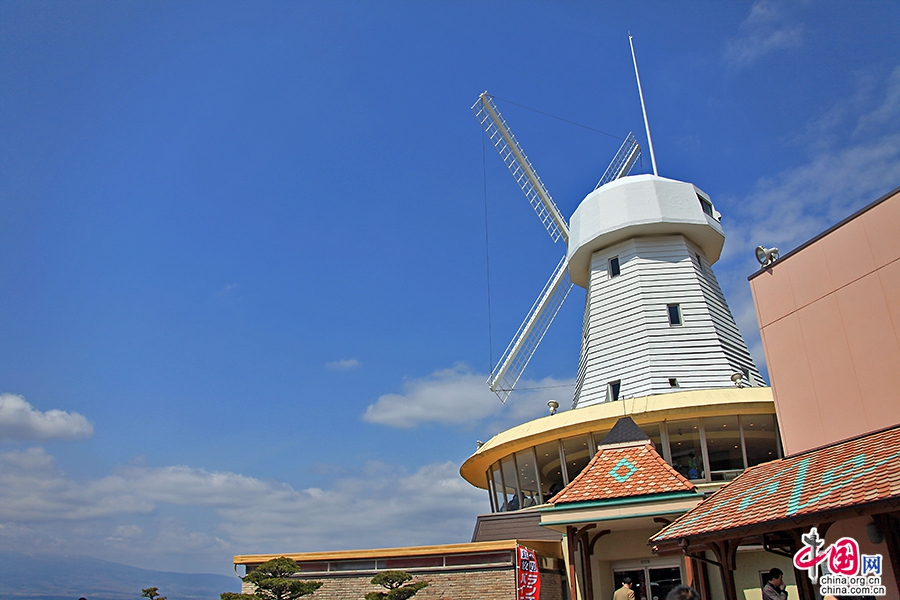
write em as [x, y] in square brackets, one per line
[479, 443]
[553, 404]
[766, 256]
[874, 533]
[738, 379]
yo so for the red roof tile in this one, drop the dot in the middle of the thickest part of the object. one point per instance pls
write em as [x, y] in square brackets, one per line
[622, 471]
[842, 475]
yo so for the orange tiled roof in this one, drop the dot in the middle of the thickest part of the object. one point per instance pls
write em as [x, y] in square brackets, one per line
[842, 475]
[622, 471]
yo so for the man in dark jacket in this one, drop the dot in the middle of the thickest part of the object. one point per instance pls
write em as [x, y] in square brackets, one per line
[774, 588]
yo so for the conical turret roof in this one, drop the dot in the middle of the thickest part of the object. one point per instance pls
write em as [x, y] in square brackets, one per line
[626, 465]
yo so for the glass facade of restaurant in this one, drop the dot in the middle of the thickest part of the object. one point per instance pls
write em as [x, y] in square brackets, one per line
[708, 449]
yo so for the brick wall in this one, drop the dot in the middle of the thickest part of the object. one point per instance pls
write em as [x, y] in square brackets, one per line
[483, 584]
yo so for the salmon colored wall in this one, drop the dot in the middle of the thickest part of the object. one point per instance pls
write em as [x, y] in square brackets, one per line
[829, 317]
[856, 529]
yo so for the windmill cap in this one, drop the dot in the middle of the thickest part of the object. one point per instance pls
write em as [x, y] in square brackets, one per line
[640, 206]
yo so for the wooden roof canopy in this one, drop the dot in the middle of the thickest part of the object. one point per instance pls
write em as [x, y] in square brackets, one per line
[850, 478]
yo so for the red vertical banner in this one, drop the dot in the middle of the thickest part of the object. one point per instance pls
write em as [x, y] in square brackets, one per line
[528, 578]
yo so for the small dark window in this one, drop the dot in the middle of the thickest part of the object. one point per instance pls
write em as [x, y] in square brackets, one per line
[674, 314]
[613, 389]
[673, 382]
[614, 267]
[706, 205]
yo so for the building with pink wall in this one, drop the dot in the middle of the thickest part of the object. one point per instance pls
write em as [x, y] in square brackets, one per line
[829, 316]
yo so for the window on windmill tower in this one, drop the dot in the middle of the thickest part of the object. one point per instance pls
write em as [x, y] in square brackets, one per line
[674, 314]
[706, 205]
[612, 389]
[614, 270]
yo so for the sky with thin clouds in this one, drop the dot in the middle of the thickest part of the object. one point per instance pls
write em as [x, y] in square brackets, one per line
[258, 259]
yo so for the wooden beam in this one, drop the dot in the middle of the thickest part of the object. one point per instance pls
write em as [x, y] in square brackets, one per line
[570, 554]
[726, 552]
[804, 585]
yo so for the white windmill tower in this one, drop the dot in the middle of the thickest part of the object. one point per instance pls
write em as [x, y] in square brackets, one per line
[655, 317]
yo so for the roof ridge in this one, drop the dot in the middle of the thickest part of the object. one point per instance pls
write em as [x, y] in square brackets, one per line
[628, 469]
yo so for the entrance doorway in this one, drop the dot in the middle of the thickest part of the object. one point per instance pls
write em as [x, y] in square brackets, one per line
[649, 581]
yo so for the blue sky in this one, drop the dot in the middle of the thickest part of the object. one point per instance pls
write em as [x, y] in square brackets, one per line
[243, 267]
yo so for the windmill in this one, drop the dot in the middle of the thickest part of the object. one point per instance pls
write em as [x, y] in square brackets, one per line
[655, 317]
[517, 355]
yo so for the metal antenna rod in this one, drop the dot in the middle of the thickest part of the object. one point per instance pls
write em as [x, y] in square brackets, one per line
[643, 108]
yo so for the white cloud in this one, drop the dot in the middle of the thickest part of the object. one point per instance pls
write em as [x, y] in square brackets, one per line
[800, 202]
[763, 31]
[19, 421]
[184, 518]
[457, 396]
[854, 158]
[887, 112]
[343, 365]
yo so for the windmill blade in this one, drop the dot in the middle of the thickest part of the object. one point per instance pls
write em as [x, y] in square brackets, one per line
[623, 161]
[520, 167]
[514, 360]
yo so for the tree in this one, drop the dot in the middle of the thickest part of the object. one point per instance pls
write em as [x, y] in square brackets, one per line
[393, 582]
[233, 596]
[273, 581]
[152, 593]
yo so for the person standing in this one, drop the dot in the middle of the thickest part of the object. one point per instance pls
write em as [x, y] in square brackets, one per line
[774, 588]
[625, 592]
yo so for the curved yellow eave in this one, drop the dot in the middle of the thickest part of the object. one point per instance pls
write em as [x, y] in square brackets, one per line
[645, 410]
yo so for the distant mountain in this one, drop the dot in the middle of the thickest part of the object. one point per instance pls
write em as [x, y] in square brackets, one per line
[47, 577]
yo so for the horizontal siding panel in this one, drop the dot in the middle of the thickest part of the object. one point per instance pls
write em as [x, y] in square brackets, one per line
[627, 335]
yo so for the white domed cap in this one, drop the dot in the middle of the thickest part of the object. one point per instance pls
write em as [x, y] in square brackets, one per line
[640, 206]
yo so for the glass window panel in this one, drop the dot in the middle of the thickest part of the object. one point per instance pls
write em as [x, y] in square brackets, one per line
[674, 314]
[653, 432]
[598, 437]
[528, 478]
[548, 466]
[612, 390]
[638, 581]
[684, 442]
[413, 562]
[355, 565]
[663, 580]
[614, 267]
[513, 502]
[760, 438]
[723, 447]
[498, 492]
[456, 560]
[577, 454]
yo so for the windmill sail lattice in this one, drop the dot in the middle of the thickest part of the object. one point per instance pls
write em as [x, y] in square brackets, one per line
[520, 167]
[623, 161]
[531, 332]
[509, 370]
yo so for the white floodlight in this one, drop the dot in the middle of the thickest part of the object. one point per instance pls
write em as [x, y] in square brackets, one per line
[766, 256]
[738, 379]
[553, 404]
